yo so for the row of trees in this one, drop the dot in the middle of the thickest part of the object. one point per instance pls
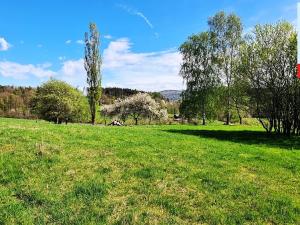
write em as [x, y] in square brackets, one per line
[59, 102]
[254, 74]
[15, 101]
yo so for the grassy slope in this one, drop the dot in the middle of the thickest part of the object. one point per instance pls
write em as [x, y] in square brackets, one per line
[147, 174]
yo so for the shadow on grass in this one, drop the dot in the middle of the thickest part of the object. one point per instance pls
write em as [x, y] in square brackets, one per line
[246, 137]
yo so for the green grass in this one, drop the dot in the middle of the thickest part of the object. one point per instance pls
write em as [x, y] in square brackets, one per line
[80, 174]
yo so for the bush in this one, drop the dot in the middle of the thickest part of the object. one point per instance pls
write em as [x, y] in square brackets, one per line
[59, 102]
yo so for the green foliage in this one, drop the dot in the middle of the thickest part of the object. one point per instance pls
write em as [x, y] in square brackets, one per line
[197, 70]
[172, 174]
[173, 107]
[92, 64]
[268, 60]
[59, 102]
[15, 101]
[257, 74]
[209, 58]
[226, 32]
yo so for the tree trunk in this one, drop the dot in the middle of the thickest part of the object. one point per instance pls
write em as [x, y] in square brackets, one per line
[228, 105]
[203, 119]
[136, 121]
[93, 118]
[228, 118]
[238, 112]
[203, 113]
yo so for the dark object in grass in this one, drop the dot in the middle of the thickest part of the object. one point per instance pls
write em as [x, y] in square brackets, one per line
[116, 123]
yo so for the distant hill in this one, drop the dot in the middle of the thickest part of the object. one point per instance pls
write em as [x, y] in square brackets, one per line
[172, 95]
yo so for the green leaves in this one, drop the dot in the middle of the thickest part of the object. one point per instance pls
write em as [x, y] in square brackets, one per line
[92, 64]
[57, 101]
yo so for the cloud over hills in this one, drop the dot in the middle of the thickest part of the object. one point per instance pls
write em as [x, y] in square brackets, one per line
[121, 67]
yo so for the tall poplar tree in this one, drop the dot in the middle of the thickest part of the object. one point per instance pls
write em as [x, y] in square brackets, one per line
[92, 64]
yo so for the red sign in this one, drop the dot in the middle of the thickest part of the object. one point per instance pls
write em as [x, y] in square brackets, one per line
[298, 71]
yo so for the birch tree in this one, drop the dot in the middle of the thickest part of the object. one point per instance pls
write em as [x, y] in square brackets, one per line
[227, 34]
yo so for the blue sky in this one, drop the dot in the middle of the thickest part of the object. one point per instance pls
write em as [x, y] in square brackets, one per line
[140, 38]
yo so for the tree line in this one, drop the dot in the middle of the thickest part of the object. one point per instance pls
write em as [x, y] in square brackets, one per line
[14, 101]
[251, 74]
[20, 102]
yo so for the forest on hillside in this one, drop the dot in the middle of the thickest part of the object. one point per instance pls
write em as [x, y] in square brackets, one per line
[15, 102]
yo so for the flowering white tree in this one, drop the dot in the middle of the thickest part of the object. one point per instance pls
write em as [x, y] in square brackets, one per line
[107, 111]
[137, 106]
[162, 115]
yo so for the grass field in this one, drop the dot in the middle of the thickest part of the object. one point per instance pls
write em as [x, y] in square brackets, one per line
[80, 174]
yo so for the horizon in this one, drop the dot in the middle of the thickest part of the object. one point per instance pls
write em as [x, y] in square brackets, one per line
[139, 41]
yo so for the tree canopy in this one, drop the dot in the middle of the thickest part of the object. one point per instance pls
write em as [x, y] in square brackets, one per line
[92, 64]
[137, 106]
[254, 73]
[59, 102]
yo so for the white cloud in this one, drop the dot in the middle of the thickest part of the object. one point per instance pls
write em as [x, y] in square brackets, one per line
[136, 13]
[144, 18]
[107, 36]
[150, 71]
[73, 72]
[118, 54]
[24, 71]
[68, 42]
[81, 42]
[124, 68]
[4, 45]
[45, 65]
[147, 71]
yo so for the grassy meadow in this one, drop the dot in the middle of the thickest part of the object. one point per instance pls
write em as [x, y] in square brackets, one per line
[169, 174]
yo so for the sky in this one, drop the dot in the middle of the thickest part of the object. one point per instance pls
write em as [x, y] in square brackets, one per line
[40, 40]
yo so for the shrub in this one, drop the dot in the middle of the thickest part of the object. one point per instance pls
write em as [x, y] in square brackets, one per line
[59, 102]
